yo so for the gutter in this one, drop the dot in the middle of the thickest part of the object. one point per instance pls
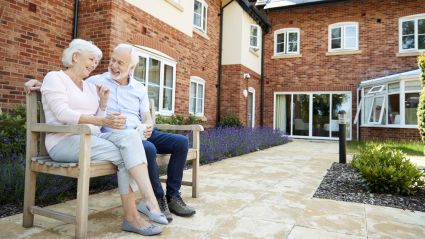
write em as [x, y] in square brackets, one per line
[75, 20]
[220, 53]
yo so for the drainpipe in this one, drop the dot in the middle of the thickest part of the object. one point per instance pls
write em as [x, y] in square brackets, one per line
[360, 114]
[262, 82]
[220, 49]
[75, 21]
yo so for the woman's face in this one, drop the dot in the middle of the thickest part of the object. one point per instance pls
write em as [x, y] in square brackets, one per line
[85, 63]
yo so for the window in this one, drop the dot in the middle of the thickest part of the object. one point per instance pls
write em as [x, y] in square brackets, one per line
[394, 103]
[343, 36]
[287, 41]
[200, 15]
[253, 36]
[158, 74]
[196, 97]
[412, 33]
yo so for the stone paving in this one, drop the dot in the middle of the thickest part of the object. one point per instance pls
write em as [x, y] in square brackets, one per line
[265, 194]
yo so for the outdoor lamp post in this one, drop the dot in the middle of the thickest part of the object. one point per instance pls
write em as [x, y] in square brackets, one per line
[342, 120]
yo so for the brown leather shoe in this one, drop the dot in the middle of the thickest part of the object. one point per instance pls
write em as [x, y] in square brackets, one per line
[178, 207]
[162, 202]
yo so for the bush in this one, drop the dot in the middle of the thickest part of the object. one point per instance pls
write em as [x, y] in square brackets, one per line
[177, 120]
[421, 107]
[387, 170]
[230, 120]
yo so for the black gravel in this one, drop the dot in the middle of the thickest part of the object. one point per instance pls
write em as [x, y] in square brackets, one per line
[343, 183]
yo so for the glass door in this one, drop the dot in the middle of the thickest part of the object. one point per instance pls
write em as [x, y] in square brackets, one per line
[321, 107]
[301, 115]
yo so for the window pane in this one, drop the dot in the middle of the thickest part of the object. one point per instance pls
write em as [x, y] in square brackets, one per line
[197, 20]
[421, 26]
[254, 30]
[350, 42]
[292, 37]
[336, 32]
[376, 110]
[394, 109]
[200, 91]
[153, 92]
[411, 105]
[301, 114]
[167, 102]
[140, 71]
[280, 48]
[168, 76]
[393, 87]
[321, 111]
[198, 7]
[421, 42]
[336, 44]
[280, 38]
[412, 85]
[199, 106]
[351, 31]
[153, 77]
[408, 42]
[192, 89]
[292, 47]
[408, 27]
[192, 105]
[367, 106]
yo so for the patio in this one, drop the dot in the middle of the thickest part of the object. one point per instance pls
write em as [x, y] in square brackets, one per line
[266, 194]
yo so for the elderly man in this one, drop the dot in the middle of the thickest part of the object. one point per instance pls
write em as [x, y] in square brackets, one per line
[130, 98]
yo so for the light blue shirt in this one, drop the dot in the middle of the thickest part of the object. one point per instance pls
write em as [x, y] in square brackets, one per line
[130, 100]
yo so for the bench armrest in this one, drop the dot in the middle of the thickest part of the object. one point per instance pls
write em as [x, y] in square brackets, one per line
[193, 127]
[75, 129]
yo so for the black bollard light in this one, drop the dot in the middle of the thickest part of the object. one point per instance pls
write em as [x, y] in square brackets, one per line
[342, 120]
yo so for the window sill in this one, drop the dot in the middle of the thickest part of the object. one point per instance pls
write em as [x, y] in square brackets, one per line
[176, 5]
[391, 126]
[343, 52]
[286, 56]
[254, 51]
[411, 53]
[200, 33]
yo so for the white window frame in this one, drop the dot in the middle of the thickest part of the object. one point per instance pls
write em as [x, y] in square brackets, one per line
[198, 81]
[415, 19]
[203, 16]
[251, 26]
[343, 26]
[286, 32]
[385, 93]
[163, 61]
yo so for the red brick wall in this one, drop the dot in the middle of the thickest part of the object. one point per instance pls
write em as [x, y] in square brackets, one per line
[389, 133]
[32, 37]
[315, 71]
[232, 86]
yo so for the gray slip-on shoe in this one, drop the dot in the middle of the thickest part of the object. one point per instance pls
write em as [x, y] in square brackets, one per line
[147, 231]
[156, 217]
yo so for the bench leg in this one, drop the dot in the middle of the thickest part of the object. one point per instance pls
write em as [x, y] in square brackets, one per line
[81, 218]
[29, 197]
[195, 181]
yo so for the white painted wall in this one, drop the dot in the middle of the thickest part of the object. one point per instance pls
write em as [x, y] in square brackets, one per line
[166, 12]
[236, 30]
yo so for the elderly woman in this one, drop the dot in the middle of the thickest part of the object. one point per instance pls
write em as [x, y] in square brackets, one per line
[68, 99]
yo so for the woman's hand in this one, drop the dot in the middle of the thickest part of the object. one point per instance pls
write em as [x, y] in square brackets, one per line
[32, 85]
[103, 93]
[115, 121]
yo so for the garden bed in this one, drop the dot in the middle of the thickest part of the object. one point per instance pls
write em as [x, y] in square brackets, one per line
[343, 183]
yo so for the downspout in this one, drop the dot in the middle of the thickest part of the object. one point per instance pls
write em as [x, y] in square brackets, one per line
[360, 113]
[262, 82]
[75, 21]
[220, 49]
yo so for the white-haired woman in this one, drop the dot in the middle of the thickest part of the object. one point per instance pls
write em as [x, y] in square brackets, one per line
[68, 99]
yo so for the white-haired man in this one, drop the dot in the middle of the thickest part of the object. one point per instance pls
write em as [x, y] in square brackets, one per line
[130, 97]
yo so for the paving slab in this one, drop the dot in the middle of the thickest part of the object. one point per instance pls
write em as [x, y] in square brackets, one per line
[264, 194]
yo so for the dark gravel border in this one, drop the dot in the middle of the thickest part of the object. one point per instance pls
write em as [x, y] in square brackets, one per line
[343, 183]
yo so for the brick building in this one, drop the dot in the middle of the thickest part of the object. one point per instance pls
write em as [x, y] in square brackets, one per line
[291, 67]
[325, 56]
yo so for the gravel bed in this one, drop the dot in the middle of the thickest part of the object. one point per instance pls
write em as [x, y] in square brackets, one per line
[343, 183]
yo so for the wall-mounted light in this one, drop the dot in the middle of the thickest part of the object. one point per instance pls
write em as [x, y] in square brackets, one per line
[246, 76]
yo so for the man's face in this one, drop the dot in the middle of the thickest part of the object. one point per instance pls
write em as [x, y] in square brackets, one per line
[119, 66]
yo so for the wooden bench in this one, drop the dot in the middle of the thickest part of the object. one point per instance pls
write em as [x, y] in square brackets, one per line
[38, 161]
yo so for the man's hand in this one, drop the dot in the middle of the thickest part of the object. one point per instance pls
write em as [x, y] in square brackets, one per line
[103, 93]
[148, 131]
[115, 121]
[32, 85]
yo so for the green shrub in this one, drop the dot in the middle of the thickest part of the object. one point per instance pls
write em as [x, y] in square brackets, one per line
[230, 120]
[421, 106]
[12, 133]
[387, 170]
[177, 120]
